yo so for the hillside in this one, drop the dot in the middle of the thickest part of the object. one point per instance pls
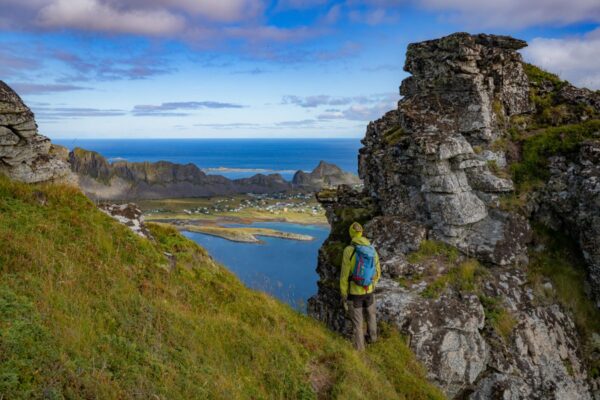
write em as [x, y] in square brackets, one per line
[90, 310]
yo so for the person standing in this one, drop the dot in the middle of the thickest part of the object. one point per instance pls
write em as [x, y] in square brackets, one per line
[360, 273]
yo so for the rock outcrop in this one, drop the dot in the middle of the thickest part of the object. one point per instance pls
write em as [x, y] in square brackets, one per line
[122, 180]
[454, 256]
[570, 202]
[25, 155]
[128, 214]
[419, 161]
[324, 175]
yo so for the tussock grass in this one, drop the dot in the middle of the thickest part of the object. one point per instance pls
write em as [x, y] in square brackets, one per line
[433, 248]
[464, 277]
[90, 310]
[462, 273]
[538, 147]
[499, 318]
[561, 263]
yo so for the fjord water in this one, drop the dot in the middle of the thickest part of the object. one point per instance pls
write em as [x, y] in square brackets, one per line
[233, 158]
[284, 268]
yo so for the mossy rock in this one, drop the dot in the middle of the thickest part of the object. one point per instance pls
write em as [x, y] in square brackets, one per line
[334, 252]
[392, 136]
[538, 76]
[537, 148]
[345, 216]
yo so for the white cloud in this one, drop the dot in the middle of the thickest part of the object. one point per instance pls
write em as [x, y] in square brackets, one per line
[96, 16]
[575, 59]
[517, 13]
[501, 13]
[168, 18]
[221, 10]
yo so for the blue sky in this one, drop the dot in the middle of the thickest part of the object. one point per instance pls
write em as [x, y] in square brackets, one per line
[246, 68]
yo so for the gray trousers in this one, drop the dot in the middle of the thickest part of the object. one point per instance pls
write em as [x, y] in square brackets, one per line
[357, 306]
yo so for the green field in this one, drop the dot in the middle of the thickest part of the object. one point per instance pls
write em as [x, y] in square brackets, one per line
[175, 209]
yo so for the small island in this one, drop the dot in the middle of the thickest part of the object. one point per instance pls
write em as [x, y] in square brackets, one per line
[243, 234]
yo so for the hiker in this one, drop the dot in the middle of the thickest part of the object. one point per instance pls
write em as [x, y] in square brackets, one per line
[360, 273]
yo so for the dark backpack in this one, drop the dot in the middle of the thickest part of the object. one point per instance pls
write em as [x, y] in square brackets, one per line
[364, 266]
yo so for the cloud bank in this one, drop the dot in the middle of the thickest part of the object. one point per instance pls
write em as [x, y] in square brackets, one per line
[575, 58]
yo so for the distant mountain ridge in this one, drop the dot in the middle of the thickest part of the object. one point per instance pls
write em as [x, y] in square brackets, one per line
[123, 180]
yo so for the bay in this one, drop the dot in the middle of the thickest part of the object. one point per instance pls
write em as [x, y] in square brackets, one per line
[283, 268]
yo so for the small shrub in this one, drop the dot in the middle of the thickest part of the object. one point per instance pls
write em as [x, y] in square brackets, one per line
[498, 316]
[433, 248]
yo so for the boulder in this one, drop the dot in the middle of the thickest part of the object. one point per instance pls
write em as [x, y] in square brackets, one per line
[25, 155]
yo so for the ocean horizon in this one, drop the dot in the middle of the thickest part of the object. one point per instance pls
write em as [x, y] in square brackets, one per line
[233, 158]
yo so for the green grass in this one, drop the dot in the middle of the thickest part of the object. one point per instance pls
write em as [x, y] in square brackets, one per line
[462, 273]
[464, 277]
[560, 262]
[538, 76]
[433, 248]
[544, 94]
[541, 145]
[90, 310]
[499, 318]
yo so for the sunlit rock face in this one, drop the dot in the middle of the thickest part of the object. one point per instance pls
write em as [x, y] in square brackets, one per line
[419, 161]
[430, 176]
[25, 155]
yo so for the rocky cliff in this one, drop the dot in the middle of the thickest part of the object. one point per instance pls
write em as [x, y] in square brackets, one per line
[122, 180]
[324, 175]
[482, 195]
[25, 155]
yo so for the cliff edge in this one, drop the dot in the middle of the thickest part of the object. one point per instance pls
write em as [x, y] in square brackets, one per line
[481, 193]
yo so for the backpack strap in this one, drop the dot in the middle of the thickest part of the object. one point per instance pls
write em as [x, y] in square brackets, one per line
[351, 255]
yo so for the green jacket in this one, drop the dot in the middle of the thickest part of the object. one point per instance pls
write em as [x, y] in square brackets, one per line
[348, 262]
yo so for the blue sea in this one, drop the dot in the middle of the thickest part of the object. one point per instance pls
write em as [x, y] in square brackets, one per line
[283, 268]
[233, 158]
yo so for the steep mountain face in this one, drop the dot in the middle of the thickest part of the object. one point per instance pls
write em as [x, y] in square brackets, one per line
[463, 184]
[122, 180]
[324, 175]
[26, 155]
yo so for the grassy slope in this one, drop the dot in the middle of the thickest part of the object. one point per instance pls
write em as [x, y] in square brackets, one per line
[89, 310]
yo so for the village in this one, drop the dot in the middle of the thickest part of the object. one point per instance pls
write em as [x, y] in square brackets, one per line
[275, 204]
